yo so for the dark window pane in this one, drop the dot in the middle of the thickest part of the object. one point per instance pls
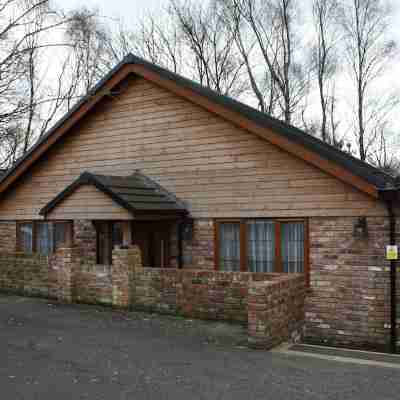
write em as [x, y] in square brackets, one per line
[104, 255]
[44, 238]
[292, 242]
[25, 237]
[229, 246]
[117, 234]
[261, 245]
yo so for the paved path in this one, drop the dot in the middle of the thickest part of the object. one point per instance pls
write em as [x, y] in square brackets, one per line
[54, 352]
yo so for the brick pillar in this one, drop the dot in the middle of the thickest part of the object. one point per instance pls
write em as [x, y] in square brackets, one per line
[125, 262]
[61, 267]
[276, 311]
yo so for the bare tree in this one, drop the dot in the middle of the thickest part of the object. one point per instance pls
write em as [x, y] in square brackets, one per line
[272, 23]
[89, 37]
[209, 45]
[368, 50]
[382, 156]
[261, 85]
[325, 58]
[31, 33]
[156, 39]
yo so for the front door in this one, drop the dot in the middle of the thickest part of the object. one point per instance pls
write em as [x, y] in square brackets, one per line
[153, 241]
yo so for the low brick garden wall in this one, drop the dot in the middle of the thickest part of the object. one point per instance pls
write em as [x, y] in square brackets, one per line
[24, 274]
[276, 311]
[272, 305]
[92, 284]
[196, 293]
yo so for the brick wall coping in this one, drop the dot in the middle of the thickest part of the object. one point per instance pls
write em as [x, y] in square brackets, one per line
[261, 277]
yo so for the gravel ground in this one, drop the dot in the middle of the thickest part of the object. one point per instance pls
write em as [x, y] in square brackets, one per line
[57, 352]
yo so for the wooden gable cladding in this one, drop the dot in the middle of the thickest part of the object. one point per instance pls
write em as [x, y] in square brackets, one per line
[291, 147]
[87, 202]
[216, 167]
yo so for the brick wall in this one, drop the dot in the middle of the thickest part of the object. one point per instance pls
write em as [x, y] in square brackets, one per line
[22, 273]
[92, 284]
[199, 252]
[276, 311]
[196, 293]
[66, 276]
[348, 302]
[85, 240]
[8, 236]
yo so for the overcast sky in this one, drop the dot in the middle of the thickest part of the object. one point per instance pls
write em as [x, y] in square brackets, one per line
[131, 9]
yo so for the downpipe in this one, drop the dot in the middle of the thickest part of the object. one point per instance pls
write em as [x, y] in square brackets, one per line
[393, 282]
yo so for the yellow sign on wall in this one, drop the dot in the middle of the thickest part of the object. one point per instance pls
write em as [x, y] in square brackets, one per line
[392, 253]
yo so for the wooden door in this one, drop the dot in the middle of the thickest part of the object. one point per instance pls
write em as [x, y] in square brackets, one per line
[153, 241]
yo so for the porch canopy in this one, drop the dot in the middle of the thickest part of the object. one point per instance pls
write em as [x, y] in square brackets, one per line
[106, 197]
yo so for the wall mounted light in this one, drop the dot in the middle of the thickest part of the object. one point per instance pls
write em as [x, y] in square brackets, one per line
[360, 229]
[187, 229]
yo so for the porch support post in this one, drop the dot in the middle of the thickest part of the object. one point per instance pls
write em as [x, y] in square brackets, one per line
[127, 233]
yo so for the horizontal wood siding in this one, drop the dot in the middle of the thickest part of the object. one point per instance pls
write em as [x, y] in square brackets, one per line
[219, 169]
[87, 202]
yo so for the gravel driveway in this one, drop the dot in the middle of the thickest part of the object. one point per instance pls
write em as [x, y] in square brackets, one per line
[57, 352]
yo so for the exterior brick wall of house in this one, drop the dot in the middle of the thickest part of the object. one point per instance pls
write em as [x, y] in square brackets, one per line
[348, 303]
[199, 251]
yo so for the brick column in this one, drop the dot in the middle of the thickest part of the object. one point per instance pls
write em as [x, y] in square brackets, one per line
[125, 262]
[61, 267]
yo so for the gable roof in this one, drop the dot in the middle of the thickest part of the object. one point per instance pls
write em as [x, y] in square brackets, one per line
[137, 193]
[314, 151]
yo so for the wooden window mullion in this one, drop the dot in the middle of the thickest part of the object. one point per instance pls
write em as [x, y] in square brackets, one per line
[278, 248]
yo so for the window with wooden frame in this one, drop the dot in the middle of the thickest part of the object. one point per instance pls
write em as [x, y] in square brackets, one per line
[261, 245]
[43, 237]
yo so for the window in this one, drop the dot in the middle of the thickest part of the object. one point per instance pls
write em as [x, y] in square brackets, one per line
[229, 250]
[25, 237]
[42, 237]
[261, 245]
[109, 234]
[292, 244]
